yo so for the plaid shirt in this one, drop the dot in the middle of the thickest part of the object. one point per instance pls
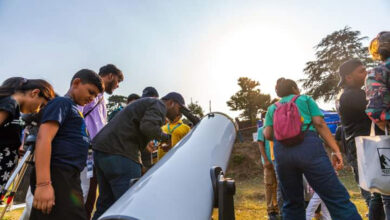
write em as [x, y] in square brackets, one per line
[378, 92]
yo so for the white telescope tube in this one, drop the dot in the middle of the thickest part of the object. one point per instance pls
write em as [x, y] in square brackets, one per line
[179, 186]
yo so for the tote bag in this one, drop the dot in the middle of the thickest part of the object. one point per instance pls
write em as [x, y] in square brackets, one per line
[373, 158]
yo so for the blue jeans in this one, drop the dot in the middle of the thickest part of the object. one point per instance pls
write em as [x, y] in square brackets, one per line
[379, 207]
[114, 173]
[310, 159]
[279, 195]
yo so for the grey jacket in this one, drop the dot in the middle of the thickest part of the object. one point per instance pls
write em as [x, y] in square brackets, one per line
[132, 128]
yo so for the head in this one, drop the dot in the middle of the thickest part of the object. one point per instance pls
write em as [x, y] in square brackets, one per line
[132, 97]
[111, 77]
[285, 87]
[352, 74]
[380, 46]
[150, 92]
[31, 94]
[173, 102]
[85, 86]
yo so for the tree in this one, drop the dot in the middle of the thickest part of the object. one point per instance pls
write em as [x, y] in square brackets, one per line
[249, 99]
[114, 102]
[196, 109]
[331, 52]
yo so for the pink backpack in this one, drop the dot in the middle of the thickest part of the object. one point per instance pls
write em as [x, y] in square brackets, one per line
[288, 123]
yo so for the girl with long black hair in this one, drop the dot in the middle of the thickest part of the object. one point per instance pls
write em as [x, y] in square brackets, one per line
[17, 95]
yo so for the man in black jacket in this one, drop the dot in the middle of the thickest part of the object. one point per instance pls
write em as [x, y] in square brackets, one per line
[351, 105]
[118, 145]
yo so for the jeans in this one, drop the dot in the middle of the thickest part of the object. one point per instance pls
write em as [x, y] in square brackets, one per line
[279, 196]
[114, 173]
[379, 207]
[310, 159]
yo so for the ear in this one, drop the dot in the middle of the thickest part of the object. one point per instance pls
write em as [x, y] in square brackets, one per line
[35, 92]
[348, 77]
[76, 82]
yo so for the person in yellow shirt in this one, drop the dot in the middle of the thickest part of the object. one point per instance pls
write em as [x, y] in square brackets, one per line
[177, 129]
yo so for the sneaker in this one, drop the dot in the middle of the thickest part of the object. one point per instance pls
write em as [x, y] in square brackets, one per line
[273, 216]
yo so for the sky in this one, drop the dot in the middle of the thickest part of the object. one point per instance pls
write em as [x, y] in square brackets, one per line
[196, 48]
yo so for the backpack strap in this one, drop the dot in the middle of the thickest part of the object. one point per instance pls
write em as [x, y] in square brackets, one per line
[308, 126]
[292, 100]
[89, 112]
[295, 98]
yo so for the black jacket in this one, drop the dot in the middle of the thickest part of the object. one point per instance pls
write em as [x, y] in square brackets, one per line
[132, 128]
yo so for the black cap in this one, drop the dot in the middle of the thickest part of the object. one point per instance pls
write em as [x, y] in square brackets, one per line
[347, 68]
[149, 92]
[175, 97]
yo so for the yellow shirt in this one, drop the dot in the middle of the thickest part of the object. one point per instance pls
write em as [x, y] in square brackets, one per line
[177, 131]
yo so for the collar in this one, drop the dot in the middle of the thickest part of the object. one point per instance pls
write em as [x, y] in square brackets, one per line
[176, 122]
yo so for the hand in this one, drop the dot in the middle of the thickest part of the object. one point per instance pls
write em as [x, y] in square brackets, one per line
[150, 147]
[21, 151]
[267, 164]
[44, 198]
[337, 161]
[165, 147]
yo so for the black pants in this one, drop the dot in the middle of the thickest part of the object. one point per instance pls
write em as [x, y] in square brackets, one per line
[68, 195]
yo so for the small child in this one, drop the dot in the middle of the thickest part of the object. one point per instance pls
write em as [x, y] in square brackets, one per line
[61, 151]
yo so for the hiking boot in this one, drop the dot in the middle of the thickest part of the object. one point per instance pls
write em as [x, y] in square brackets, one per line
[273, 216]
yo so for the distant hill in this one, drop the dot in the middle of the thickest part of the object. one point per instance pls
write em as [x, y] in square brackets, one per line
[245, 160]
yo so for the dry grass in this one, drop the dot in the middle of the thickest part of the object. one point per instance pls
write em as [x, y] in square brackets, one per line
[250, 203]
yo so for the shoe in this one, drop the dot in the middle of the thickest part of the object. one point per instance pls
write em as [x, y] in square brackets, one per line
[273, 216]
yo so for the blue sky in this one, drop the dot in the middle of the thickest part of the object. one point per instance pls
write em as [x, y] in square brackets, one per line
[197, 48]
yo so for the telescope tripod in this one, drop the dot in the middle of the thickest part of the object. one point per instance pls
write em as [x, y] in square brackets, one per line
[15, 179]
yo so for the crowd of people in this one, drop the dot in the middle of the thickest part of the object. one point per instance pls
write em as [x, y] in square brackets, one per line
[291, 172]
[76, 149]
[79, 148]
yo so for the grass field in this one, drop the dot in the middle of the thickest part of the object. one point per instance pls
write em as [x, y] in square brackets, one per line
[250, 205]
[245, 167]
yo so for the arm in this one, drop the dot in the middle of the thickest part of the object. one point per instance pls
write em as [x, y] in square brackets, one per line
[44, 192]
[268, 133]
[3, 116]
[267, 163]
[269, 123]
[324, 132]
[151, 122]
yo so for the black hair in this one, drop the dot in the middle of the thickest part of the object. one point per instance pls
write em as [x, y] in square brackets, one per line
[132, 97]
[285, 87]
[19, 84]
[89, 77]
[111, 68]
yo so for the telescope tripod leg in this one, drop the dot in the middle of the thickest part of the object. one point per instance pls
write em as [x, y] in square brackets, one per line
[15, 186]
